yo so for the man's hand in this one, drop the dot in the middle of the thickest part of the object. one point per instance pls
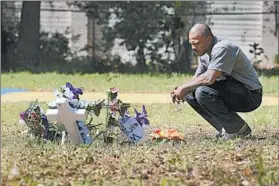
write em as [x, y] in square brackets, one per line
[177, 95]
[207, 78]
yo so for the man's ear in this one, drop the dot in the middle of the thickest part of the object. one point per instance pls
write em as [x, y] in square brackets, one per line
[209, 38]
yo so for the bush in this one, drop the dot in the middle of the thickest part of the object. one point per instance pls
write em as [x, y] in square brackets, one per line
[54, 52]
[9, 39]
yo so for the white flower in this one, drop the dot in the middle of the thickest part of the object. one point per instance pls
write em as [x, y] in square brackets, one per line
[68, 93]
[21, 122]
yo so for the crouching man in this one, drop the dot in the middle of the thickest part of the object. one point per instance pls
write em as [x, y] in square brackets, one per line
[225, 82]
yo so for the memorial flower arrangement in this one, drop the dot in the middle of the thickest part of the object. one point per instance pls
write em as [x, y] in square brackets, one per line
[37, 121]
[117, 115]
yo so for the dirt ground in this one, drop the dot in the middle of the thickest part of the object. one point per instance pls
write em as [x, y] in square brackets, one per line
[126, 97]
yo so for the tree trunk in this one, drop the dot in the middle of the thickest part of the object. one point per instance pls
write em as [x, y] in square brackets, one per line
[29, 34]
[141, 65]
[277, 25]
[91, 37]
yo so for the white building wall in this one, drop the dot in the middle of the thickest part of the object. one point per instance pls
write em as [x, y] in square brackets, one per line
[269, 39]
[244, 29]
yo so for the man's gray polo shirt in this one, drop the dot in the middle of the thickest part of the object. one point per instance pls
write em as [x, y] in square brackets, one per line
[228, 58]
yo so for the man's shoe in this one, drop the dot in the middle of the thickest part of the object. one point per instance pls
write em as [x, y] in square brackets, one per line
[221, 133]
[245, 131]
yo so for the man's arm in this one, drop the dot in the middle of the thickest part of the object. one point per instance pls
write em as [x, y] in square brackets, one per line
[201, 68]
[222, 60]
[207, 78]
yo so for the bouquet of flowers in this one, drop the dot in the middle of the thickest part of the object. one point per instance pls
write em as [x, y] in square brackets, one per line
[38, 124]
[72, 94]
[131, 127]
[169, 134]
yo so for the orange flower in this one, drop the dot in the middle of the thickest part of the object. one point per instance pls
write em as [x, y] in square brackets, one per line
[170, 134]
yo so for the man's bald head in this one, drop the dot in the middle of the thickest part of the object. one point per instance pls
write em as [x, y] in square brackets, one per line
[200, 37]
[202, 29]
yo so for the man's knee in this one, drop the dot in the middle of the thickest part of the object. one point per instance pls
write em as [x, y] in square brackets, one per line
[191, 100]
[189, 97]
[204, 93]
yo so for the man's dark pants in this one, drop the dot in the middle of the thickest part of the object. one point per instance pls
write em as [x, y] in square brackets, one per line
[218, 103]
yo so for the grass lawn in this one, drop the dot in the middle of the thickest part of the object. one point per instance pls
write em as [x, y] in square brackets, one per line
[200, 160]
[100, 82]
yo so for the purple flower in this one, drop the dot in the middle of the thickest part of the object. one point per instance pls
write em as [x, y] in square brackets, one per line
[44, 117]
[21, 115]
[45, 126]
[75, 91]
[141, 117]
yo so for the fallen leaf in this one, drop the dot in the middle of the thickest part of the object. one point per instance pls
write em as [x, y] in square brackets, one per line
[244, 183]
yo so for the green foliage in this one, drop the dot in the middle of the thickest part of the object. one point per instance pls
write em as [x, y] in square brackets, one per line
[138, 26]
[257, 51]
[265, 176]
[53, 53]
[9, 39]
[276, 59]
[53, 50]
[55, 44]
[144, 28]
[9, 31]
